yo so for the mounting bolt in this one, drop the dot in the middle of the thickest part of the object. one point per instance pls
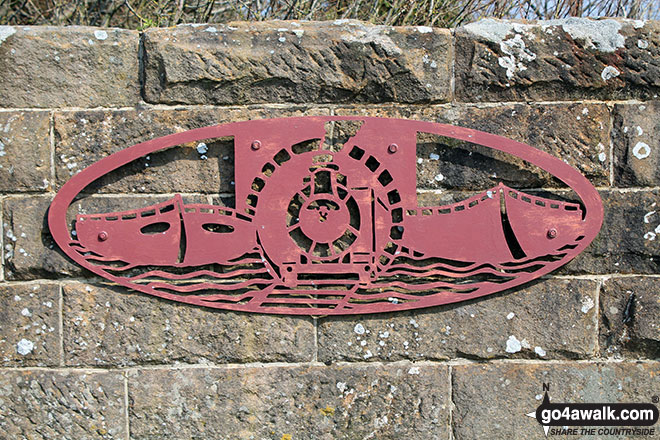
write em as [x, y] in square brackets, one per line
[256, 145]
[103, 236]
[393, 148]
[552, 233]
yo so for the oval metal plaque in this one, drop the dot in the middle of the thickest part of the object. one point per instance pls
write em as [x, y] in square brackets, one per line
[329, 231]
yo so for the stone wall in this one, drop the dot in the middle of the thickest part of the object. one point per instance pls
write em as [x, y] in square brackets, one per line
[82, 359]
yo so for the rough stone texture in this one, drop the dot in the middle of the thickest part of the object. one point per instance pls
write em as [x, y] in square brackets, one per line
[30, 251]
[68, 67]
[84, 137]
[629, 241]
[492, 400]
[29, 325]
[576, 133]
[108, 326]
[504, 325]
[62, 404]
[636, 137]
[193, 372]
[341, 61]
[347, 402]
[629, 310]
[24, 151]
[570, 59]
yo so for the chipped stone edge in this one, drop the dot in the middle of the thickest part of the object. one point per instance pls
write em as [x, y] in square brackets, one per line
[6, 32]
[602, 35]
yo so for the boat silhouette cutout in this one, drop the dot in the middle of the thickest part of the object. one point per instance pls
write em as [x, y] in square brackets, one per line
[318, 230]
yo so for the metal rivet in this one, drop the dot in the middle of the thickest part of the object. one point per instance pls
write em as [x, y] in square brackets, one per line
[256, 145]
[552, 233]
[393, 148]
[103, 236]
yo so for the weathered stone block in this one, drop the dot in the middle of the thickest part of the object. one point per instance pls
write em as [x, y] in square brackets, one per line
[347, 402]
[576, 133]
[30, 251]
[502, 325]
[29, 325]
[629, 310]
[491, 400]
[108, 326]
[68, 67]
[636, 138]
[82, 138]
[569, 59]
[62, 404]
[341, 61]
[24, 151]
[629, 241]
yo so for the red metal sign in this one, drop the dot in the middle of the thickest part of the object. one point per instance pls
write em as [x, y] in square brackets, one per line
[317, 231]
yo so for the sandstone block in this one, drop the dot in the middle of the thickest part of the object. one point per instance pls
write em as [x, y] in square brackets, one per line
[568, 59]
[62, 404]
[636, 144]
[24, 151]
[629, 241]
[502, 325]
[110, 326]
[491, 400]
[347, 402]
[340, 61]
[29, 325]
[629, 310]
[46, 66]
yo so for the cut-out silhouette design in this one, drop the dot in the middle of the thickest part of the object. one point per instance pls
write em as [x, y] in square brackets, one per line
[319, 229]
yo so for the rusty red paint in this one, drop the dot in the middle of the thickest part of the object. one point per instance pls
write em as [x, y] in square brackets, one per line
[324, 232]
